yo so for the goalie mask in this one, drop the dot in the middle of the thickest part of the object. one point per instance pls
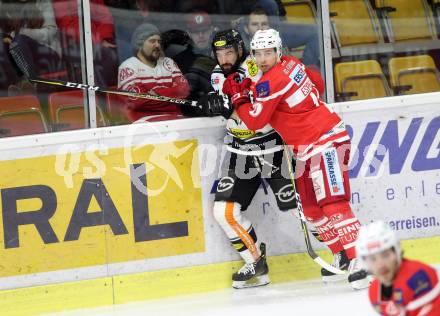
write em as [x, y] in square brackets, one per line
[229, 39]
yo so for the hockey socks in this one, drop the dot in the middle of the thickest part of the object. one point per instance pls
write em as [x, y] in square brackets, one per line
[345, 224]
[327, 234]
[238, 229]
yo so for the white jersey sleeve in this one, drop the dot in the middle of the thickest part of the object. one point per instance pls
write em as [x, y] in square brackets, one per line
[217, 79]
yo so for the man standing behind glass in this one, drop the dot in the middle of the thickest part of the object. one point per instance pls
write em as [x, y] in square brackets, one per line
[196, 61]
[200, 30]
[149, 72]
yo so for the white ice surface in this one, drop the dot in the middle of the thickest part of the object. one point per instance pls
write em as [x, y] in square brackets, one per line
[295, 298]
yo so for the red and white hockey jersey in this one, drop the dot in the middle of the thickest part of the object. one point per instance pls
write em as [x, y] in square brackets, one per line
[415, 292]
[287, 97]
[265, 137]
[165, 79]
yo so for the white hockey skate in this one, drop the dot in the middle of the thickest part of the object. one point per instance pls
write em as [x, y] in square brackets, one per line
[340, 261]
[358, 277]
[252, 274]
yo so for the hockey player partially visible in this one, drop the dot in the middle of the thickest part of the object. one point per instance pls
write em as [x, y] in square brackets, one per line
[402, 287]
[253, 155]
[286, 96]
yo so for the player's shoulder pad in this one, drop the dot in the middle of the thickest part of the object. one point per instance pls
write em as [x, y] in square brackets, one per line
[279, 79]
[420, 283]
[294, 70]
[249, 68]
[420, 278]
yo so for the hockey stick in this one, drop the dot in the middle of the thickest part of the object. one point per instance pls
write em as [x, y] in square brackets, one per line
[25, 68]
[302, 218]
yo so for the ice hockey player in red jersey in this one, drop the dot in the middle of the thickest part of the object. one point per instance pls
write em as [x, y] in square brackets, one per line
[287, 98]
[149, 72]
[401, 287]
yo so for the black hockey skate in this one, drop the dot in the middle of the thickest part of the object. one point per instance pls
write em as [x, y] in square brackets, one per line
[252, 274]
[341, 262]
[358, 277]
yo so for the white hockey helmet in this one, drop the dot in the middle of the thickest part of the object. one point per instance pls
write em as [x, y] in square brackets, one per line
[374, 238]
[269, 38]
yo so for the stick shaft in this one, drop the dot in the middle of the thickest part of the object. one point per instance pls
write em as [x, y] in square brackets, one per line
[305, 230]
[20, 60]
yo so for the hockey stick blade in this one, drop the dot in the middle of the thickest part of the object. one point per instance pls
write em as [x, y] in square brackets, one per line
[28, 72]
[311, 252]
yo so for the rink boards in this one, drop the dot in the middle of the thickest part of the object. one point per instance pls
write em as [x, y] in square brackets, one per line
[78, 230]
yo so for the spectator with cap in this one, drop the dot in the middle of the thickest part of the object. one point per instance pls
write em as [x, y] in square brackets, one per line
[148, 71]
[200, 29]
[196, 61]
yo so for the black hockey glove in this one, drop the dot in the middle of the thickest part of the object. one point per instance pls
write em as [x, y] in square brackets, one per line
[213, 104]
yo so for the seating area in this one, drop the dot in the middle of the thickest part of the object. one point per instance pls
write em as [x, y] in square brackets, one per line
[300, 11]
[63, 111]
[406, 20]
[366, 79]
[364, 33]
[363, 22]
[414, 74]
[23, 115]
[354, 23]
[360, 80]
[66, 110]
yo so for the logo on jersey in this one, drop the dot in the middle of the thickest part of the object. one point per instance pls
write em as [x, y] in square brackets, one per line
[420, 283]
[225, 184]
[256, 109]
[263, 89]
[125, 73]
[307, 88]
[215, 81]
[242, 133]
[298, 75]
[334, 176]
[398, 296]
[169, 64]
[133, 88]
[252, 68]
[288, 68]
[286, 194]
[318, 184]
